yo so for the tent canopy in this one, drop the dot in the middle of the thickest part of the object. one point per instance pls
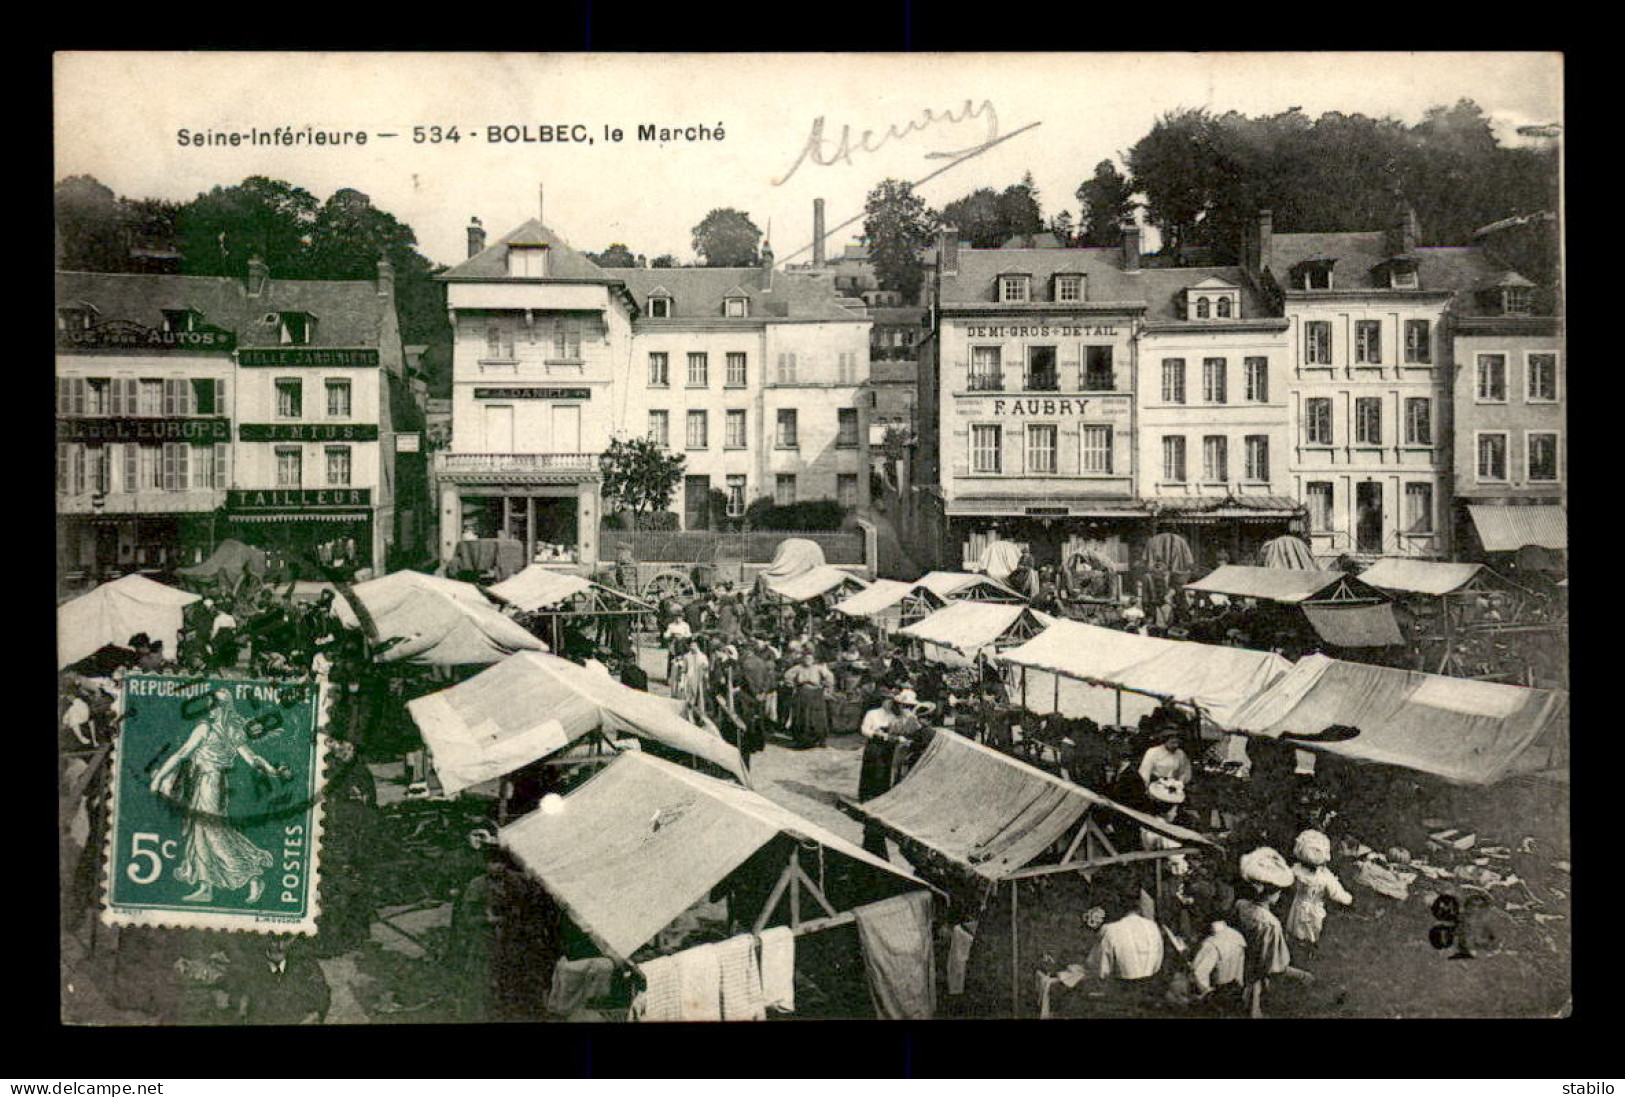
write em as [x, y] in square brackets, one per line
[532, 705]
[439, 622]
[116, 611]
[989, 813]
[1288, 552]
[961, 585]
[1508, 529]
[794, 556]
[643, 840]
[1467, 732]
[1171, 552]
[815, 582]
[538, 587]
[968, 627]
[230, 558]
[1355, 626]
[999, 559]
[875, 599]
[1420, 576]
[1287, 585]
[1218, 679]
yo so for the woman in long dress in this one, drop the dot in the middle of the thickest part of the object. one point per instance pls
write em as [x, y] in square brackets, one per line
[809, 713]
[217, 854]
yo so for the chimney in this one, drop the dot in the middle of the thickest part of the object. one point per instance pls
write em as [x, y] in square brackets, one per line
[1131, 249]
[818, 232]
[258, 275]
[767, 265]
[1408, 231]
[1264, 251]
[948, 251]
[386, 278]
[476, 237]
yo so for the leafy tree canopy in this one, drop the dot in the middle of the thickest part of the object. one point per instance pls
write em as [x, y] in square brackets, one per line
[727, 238]
[640, 475]
[897, 224]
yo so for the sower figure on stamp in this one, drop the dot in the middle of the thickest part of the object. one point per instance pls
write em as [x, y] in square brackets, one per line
[217, 854]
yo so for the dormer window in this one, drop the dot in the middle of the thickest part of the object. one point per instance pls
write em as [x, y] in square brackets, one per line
[1403, 278]
[1069, 287]
[75, 318]
[1212, 299]
[1313, 274]
[296, 328]
[1516, 300]
[176, 320]
[660, 308]
[1013, 288]
[1204, 308]
[527, 261]
[736, 307]
[1222, 308]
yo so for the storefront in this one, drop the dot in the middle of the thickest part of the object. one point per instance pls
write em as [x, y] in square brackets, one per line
[315, 530]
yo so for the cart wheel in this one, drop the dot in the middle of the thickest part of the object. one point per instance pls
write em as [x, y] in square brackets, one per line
[669, 584]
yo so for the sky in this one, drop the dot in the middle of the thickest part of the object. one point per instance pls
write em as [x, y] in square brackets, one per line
[118, 115]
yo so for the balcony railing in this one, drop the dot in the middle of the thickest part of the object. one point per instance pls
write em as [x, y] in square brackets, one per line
[987, 382]
[454, 463]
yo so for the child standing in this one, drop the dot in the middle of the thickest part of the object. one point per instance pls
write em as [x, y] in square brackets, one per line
[1315, 884]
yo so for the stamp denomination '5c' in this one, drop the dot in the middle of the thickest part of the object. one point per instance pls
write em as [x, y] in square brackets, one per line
[216, 814]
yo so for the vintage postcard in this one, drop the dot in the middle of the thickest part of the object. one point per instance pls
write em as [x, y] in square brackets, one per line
[678, 537]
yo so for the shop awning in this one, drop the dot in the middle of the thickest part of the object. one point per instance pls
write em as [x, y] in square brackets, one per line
[1355, 626]
[1465, 731]
[989, 813]
[953, 586]
[1250, 507]
[230, 558]
[532, 705]
[1218, 679]
[541, 588]
[302, 516]
[969, 627]
[116, 611]
[1508, 529]
[1420, 576]
[1287, 585]
[434, 621]
[643, 840]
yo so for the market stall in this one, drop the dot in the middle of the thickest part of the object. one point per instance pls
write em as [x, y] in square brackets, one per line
[987, 822]
[1113, 677]
[113, 612]
[824, 583]
[634, 856]
[961, 631]
[548, 597]
[1343, 611]
[880, 603]
[229, 562]
[533, 705]
[1464, 731]
[430, 621]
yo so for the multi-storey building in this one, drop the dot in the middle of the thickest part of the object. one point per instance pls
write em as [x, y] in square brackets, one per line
[1214, 427]
[894, 352]
[1511, 465]
[192, 409]
[753, 374]
[1370, 381]
[1072, 399]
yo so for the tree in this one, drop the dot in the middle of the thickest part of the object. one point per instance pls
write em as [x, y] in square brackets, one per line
[1019, 211]
[640, 475]
[978, 217]
[663, 261]
[616, 255]
[90, 226]
[1061, 226]
[727, 238]
[897, 224]
[221, 230]
[1108, 205]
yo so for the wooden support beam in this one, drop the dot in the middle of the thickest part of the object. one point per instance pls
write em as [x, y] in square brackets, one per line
[1100, 836]
[773, 899]
[1101, 862]
[813, 925]
[1015, 956]
[812, 888]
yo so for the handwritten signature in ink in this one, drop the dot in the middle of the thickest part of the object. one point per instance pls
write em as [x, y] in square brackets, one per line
[825, 149]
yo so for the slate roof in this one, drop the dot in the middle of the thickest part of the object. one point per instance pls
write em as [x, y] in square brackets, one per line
[1451, 269]
[1158, 289]
[348, 314]
[698, 292]
[564, 263]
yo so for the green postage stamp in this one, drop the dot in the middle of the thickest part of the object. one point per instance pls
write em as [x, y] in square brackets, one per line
[216, 812]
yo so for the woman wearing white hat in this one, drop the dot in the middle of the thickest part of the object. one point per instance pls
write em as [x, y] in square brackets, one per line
[1315, 884]
[1266, 874]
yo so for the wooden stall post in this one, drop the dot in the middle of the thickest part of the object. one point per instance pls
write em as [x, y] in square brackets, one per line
[1015, 956]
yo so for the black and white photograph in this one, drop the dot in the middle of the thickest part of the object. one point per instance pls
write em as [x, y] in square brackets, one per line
[653, 538]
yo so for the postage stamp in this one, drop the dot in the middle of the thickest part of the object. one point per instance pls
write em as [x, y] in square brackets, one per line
[216, 805]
